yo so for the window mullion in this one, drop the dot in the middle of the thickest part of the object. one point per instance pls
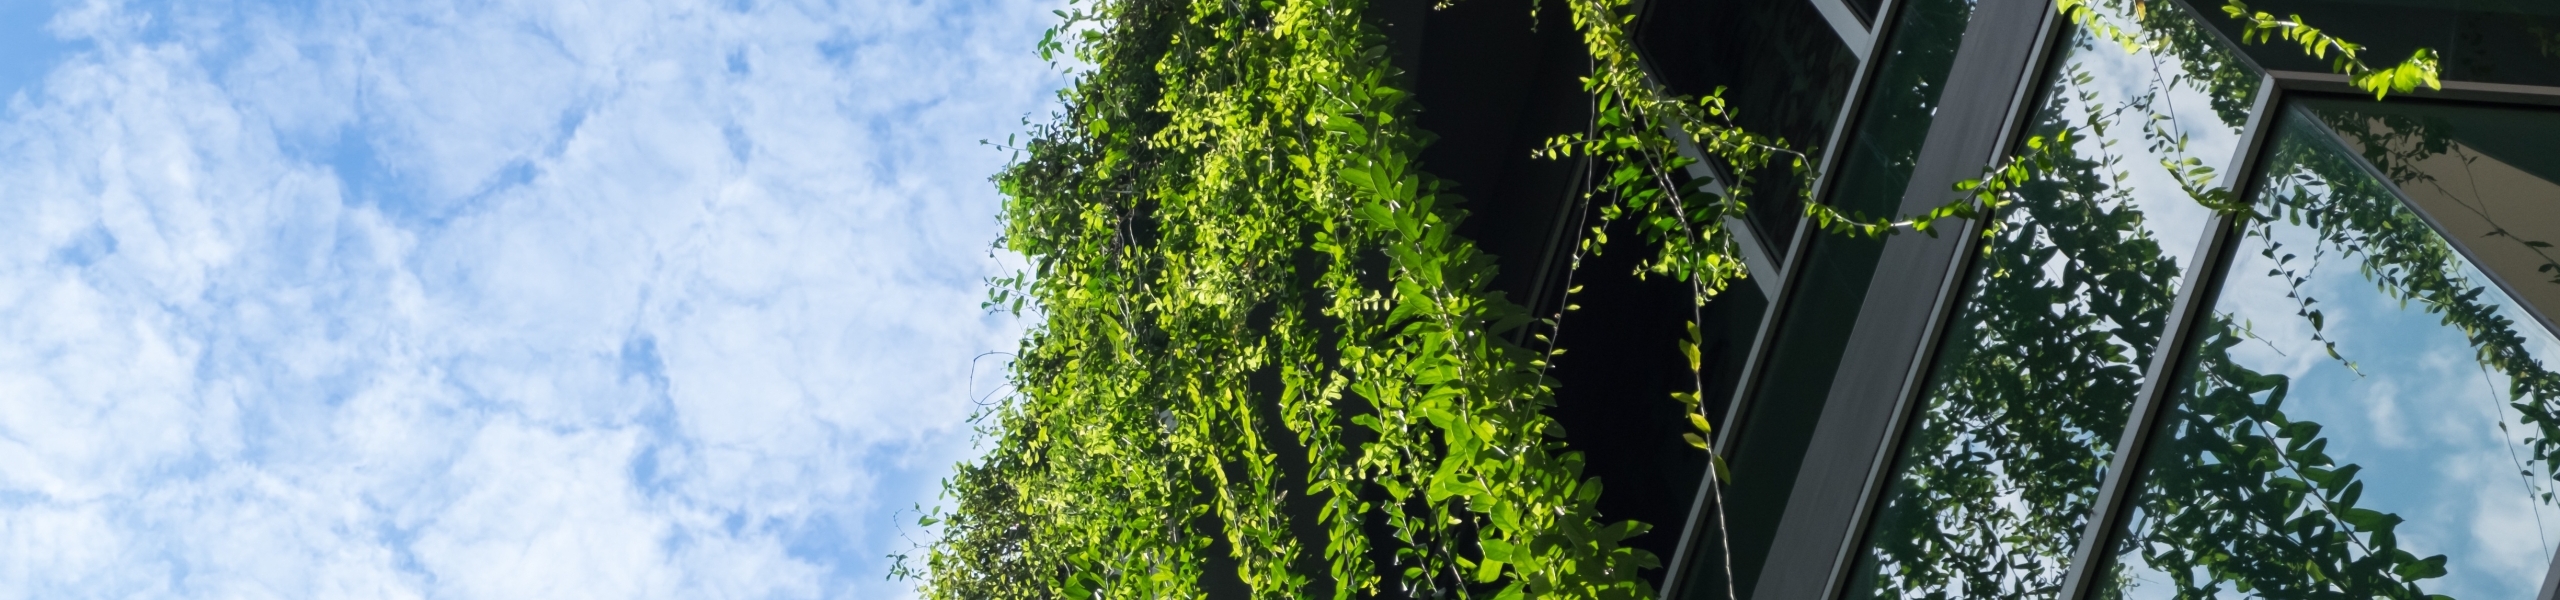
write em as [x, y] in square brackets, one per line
[2159, 378]
[1844, 21]
[1949, 297]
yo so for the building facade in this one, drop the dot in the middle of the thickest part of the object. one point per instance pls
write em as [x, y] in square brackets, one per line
[2242, 330]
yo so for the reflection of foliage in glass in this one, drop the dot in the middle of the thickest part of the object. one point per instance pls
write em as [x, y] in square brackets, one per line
[2070, 294]
[2259, 27]
[2238, 493]
[2402, 145]
[2395, 145]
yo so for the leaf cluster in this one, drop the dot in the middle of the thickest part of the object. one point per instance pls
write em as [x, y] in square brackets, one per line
[1262, 348]
[2260, 27]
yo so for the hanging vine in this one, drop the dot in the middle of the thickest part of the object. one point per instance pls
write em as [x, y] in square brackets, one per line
[1264, 364]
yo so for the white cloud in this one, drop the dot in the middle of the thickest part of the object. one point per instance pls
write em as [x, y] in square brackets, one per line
[505, 299]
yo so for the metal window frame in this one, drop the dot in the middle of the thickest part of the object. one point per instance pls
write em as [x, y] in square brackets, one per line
[2199, 287]
[1858, 34]
[2539, 315]
[2196, 290]
[1863, 43]
[1893, 335]
[2550, 580]
[1778, 284]
[1851, 108]
[2504, 94]
[1778, 277]
[2202, 285]
[2022, 108]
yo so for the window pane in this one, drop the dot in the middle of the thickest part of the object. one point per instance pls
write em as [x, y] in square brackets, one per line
[2365, 412]
[1785, 71]
[1883, 149]
[1615, 402]
[2031, 388]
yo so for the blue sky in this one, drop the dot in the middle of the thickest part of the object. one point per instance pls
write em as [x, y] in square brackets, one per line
[492, 299]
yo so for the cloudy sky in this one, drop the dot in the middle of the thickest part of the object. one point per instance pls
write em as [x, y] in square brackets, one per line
[491, 299]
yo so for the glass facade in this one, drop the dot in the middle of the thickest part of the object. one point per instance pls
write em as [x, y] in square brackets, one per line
[2278, 341]
[1866, 8]
[2367, 411]
[1876, 166]
[2003, 461]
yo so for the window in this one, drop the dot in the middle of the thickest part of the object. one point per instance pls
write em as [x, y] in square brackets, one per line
[2366, 409]
[1769, 444]
[1785, 73]
[2332, 377]
[2002, 461]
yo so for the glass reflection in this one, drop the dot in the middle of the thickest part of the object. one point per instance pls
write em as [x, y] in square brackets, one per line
[1784, 71]
[2483, 175]
[2003, 459]
[1875, 166]
[2366, 413]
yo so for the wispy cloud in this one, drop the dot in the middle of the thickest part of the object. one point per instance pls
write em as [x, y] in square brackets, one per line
[494, 299]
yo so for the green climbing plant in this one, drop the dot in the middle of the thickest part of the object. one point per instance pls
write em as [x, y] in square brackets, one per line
[1263, 363]
[2260, 27]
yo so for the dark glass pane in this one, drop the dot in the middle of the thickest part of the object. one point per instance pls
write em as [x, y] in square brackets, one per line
[1876, 165]
[1615, 401]
[2365, 412]
[1785, 71]
[1804, 356]
[2032, 385]
[2496, 41]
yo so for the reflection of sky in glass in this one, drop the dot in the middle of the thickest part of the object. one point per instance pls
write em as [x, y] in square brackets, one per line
[1999, 469]
[2405, 398]
[2121, 79]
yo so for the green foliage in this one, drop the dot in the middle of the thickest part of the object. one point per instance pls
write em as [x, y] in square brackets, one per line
[2245, 496]
[2260, 27]
[1262, 357]
[2403, 255]
[1260, 339]
[2251, 499]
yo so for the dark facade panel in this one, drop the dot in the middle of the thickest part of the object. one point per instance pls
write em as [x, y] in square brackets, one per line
[2486, 41]
[1494, 84]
